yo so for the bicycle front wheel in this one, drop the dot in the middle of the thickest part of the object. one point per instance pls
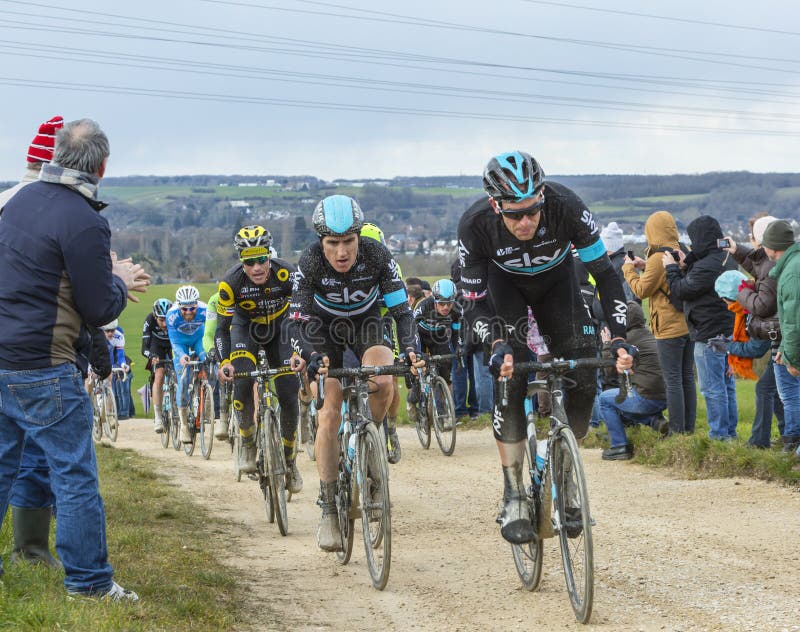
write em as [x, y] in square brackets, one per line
[277, 471]
[528, 557]
[575, 531]
[344, 505]
[206, 420]
[443, 414]
[174, 418]
[423, 424]
[311, 422]
[110, 421]
[97, 415]
[376, 519]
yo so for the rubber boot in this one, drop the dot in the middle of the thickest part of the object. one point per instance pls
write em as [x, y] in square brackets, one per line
[329, 537]
[31, 536]
[186, 435]
[515, 521]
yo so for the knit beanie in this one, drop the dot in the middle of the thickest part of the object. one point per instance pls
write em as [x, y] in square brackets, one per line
[612, 237]
[727, 284]
[760, 225]
[41, 149]
[778, 235]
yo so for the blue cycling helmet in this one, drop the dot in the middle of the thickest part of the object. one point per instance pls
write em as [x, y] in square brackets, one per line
[161, 307]
[337, 215]
[512, 177]
[444, 291]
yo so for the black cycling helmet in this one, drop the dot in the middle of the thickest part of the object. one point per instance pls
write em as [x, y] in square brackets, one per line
[252, 241]
[337, 215]
[161, 307]
[513, 177]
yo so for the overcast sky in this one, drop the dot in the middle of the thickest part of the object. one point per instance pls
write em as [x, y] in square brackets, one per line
[413, 88]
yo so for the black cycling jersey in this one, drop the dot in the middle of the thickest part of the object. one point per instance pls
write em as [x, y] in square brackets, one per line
[241, 300]
[565, 222]
[432, 326]
[153, 337]
[324, 299]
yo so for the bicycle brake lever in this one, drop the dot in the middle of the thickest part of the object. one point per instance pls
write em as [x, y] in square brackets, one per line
[504, 391]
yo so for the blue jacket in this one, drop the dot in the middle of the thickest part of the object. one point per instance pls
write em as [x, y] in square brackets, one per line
[55, 277]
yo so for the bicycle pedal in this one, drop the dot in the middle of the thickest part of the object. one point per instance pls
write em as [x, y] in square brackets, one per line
[253, 476]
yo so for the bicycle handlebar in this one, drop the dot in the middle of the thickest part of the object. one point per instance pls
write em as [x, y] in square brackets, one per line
[364, 371]
[264, 373]
[561, 366]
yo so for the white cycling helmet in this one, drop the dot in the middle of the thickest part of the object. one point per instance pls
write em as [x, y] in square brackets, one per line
[110, 326]
[187, 294]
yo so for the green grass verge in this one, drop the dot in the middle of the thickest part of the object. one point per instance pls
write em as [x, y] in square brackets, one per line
[160, 544]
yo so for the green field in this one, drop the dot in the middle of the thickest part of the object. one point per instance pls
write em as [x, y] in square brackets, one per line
[164, 192]
[690, 197]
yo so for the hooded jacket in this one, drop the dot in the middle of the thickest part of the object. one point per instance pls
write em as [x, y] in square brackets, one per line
[763, 299]
[787, 273]
[662, 234]
[647, 376]
[706, 313]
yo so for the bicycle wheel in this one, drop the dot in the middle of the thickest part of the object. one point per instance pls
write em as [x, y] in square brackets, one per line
[311, 422]
[262, 449]
[174, 418]
[575, 532]
[277, 470]
[97, 416]
[423, 424]
[376, 519]
[443, 414]
[164, 436]
[193, 413]
[206, 420]
[236, 443]
[110, 421]
[528, 557]
[344, 503]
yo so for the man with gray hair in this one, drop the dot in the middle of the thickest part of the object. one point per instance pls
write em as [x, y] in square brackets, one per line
[57, 276]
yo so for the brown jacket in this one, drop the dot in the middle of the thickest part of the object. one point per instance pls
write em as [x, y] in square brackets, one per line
[661, 233]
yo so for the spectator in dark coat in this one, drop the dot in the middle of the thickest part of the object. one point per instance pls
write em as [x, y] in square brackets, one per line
[710, 323]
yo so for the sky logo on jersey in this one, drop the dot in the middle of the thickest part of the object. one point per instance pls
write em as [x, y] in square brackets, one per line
[620, 312]
[347, 302]
[462, 253]
[526, 264]
[586, 218]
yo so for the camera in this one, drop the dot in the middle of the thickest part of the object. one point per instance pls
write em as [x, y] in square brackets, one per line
[675, 255]
[723, 243]
[630, 254]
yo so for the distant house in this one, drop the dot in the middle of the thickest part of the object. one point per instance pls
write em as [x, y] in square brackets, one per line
[239, 204]
[248, 184]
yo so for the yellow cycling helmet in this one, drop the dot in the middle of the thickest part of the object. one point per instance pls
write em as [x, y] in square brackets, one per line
[253, 241]
[373, 232]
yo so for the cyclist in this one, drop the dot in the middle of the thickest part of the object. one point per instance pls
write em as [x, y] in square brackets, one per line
[209, 346]
[515, 247]
[438, 319]
[185, 323]
[253, 303]
[334, 306]
[156, 347]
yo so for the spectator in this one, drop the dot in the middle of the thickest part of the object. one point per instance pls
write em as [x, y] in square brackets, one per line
[780, 245]
[691, 279]
[759, 298]
[675, 349]
[615, 249]
[647, 397]
[31, 497]
[44, 347]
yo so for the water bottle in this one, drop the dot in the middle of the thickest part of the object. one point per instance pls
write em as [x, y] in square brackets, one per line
[351, 448]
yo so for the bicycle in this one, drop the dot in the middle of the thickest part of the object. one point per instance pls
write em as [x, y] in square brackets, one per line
[104, 408]
[362, 451]
[556, 479]
[436, 407]
[169, 408]
[200, 409]
[308, 424]
[270, 459]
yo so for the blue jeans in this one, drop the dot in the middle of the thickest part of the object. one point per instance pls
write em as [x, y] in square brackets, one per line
[466, 399]
[483, 383]
[789, 390]
[635, 408]
[719, 391]
[122, 394]
[32, 490]
[51, 406]
[676, 357]
[767, 403]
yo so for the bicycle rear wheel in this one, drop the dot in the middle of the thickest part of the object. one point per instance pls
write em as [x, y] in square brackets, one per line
[443, 414]
[344, 501]
[110, 421]
[277, 471]
[376, 519]
[575, 532]
[206, 420]
[164, 436]
[423, 424]
[528, 557]
[174, 418]
[97, 417]
[311, 422]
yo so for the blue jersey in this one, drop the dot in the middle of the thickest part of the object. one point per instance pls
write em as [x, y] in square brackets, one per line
[187, 334]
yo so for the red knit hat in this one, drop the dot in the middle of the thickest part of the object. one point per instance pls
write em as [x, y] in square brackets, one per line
[41, 149]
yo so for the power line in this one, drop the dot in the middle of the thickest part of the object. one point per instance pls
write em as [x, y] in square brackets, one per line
[667, 18]
[383, 109]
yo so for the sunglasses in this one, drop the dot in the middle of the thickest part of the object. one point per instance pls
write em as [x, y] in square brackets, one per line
[188, 308]
[447, 301]
[251, 262]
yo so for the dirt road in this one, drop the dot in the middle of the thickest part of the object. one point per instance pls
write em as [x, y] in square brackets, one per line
[669, 554]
